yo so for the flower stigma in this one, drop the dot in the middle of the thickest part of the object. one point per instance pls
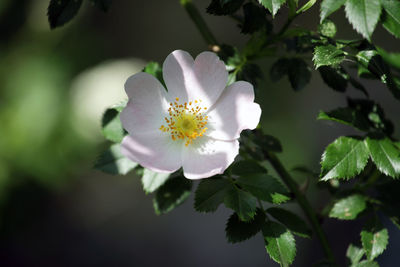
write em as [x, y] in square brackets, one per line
[186, 121]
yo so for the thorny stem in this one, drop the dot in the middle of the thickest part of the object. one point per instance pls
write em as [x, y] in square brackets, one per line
[198, 20]
[303, 202]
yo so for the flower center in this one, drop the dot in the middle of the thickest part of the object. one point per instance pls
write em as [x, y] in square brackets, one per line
[185, 121]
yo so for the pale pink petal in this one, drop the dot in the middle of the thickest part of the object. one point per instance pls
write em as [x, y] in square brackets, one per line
[156, 151]
[234, 111]
[202, 79]
[207, 157]
[147, 105]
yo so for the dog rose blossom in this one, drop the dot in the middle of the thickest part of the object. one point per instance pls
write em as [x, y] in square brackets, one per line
[194, 124]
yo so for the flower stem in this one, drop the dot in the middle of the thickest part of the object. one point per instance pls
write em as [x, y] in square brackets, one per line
[303, 202]
[198, 20]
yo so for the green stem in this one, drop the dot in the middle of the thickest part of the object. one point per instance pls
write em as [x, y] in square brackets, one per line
[303, 202]
[198, 20]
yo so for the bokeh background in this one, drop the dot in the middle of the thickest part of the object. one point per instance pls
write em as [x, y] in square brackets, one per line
[56, 210]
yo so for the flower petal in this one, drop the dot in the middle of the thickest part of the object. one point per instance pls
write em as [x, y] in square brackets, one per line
[206, 157]
[155, 151]
[201, 79]
[234, 111]
[147, 105]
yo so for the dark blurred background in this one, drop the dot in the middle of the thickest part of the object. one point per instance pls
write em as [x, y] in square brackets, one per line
[55, 210]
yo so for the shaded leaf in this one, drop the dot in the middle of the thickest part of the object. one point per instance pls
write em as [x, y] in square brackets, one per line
[155, 69]
[391, 16]
[367, 263]
[264, 187]
[363, 15]
[374, 239]
[60, 12]
[243, 203]
[279, 243]
[299, 74]
[334, 78]
[251, 73]
[111, 124]
[113, 162]
[254, 18]
[228, 7]
[245, 167]
[327, 55]
[348, 116]
[354, 254]
[344, 158]
[385, 155]
[103, 5]
[330, 6]
[171, 194]
[293, 222]
[279, 69]
[238, 231]
[348, 208]
[151, 180]
[210, 194]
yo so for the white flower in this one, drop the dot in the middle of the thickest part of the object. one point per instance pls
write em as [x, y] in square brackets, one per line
[195, 125]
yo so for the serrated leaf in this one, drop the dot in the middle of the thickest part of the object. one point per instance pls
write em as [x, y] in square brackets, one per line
[279, 243]
[348, 116]
[330, 6]
[229, 7]
[245, 167]
[363, 15]
[103, 5]
[354, 254]
[327, 55]
[210, 194]
[385, 155]
[60, 12]
[238, 231]
[374, 239]
[254, 18]
[334, 78]
[344, 158]
[111, 124]
[327, 28]
[264, 187]
[348, 208]
[272, 5]
[151, 180]
[293, 222]
[243, 203]
[113, 162]
[279, 69]
[391, 16]
[171, 194]
[299, 74]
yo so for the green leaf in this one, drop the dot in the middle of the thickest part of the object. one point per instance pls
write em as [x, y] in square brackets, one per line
[366, 263]
[344, 158]
[391, 16]
[254, 18]
[279, 242]
[348, 208]
[279, 69]
[210, 194]
[243, 203]
[354, 254]
[103, 5]
[251, 73]
[171, 194]
[238, 231]
[228, 7]
[272, 5]
[155, 69]
[374, 239]
[385, 155]
[60, 12]
[264, 187]
[363, 15]
[113, 162]
[391, 58]
[111, 124]
[151, 180]
[306, 6]
[327, 55]
[268, 142]
[334, 78]
[293, 222]
[330, 6]
[348, 116]
[299, 74]
[244, 167]
[327, 28]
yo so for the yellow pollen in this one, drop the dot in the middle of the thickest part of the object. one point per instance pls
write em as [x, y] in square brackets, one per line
[185, 123]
